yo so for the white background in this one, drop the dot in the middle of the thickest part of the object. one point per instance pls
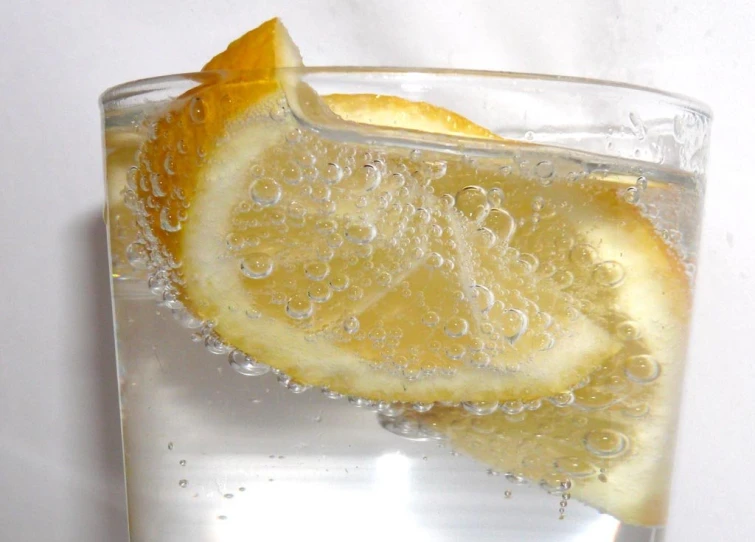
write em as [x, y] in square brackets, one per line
[60, 463]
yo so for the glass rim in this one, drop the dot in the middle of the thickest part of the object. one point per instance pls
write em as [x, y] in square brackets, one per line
[137, 86]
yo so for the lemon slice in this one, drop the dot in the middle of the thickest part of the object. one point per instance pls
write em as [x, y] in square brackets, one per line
[609, 442]
[374, 271]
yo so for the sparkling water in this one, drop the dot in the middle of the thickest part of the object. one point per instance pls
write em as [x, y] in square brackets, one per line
[220, 446]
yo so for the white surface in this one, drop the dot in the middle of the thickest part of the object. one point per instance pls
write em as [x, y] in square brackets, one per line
[60, 466]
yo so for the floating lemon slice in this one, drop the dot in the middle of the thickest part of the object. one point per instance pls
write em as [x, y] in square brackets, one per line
[379, 272]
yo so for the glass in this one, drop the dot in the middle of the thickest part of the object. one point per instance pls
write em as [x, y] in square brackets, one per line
[538, 287]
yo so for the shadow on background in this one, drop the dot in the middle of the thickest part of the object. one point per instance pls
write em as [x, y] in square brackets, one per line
[106, 425]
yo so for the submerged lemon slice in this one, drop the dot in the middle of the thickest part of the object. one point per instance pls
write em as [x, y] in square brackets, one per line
[376, 271]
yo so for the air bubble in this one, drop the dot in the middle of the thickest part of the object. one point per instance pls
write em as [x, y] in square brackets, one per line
[512, 408]
[182, 462]
[472, 201]
[214, 345]
[631, 194]
[501, 223]
[583, 255]
[455, 352]
[556, 483]
[169, 220]
[642, 369]
[316, 270]
[434, 260]
[544, 170]
[483, 297]
[513, 324]
[641, 183]
[257, 266]
[351, 325]
[480, 408]
[299, 307]
[628, 330]
[339, 282]
[609, 273]
[361, 233]
[197, 111]
[333, 173]
[246, 365]
[183, 483]
[265, 192]
[369, 177]
[456, 327]
[606, 442]
[331, 394]
[422, 407]
[137, 255]
[562, 400]
[319, 292]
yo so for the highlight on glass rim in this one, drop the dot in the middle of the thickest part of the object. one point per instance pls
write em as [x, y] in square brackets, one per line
[421, 304]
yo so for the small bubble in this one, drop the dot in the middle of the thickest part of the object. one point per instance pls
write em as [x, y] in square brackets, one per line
[431, 319]
[257, 266]
[169, 220]
[642, 369]
[361, 233]
[631, 194]
[422, 407]
[628, 330]
[170, 446]
[507, 494]
[351, 325]
[608, 273]
[435, 170]
[222, 518]
[415, 155]
[641, 183]
[529, 135]
[562, 278]
[299, 307]
[583, 255]
[339, 282]
[182, 462]
[265, 192]
[137, 255]
[183, 483]
[319, 292]
[512, 408]
[606, 442]
[369, 177]
[455, 351]
[517, 479]
[333, 173]
[575, 466]
[501, 223]
[316, 270]
[434, 260]
[544, 170]
[228, 496]
[562, 400]
[197, 111]
[483, 297]
[480, 408]
[246, 365]
[556, 483]
[472, 201]
[456, 327]
[513, 324]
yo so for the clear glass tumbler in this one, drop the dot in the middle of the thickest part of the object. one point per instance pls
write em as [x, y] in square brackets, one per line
[371, 304]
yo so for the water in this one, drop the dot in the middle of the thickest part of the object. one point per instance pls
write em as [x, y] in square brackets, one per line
[219, 447]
